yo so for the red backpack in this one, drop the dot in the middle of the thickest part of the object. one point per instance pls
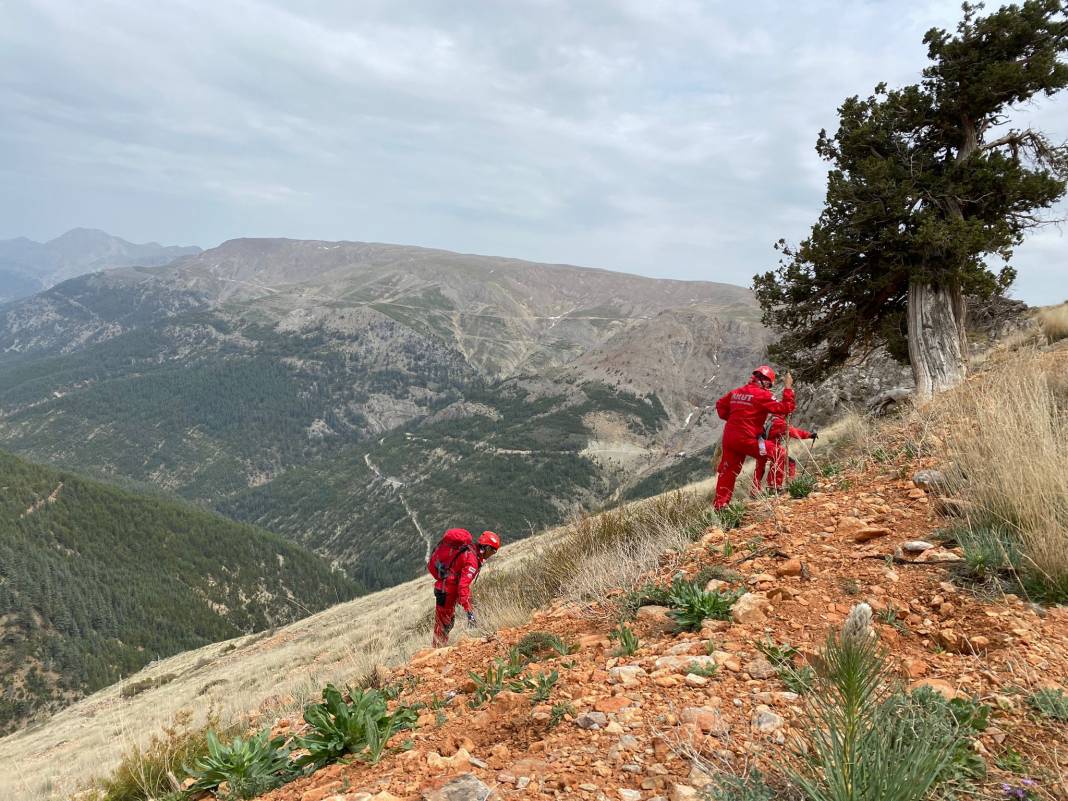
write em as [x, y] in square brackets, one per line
[445, 554]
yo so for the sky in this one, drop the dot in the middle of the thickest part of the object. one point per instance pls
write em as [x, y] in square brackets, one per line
[668, 138]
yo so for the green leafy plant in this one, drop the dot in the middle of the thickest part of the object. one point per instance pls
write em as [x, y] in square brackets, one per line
[731, 515]
[1050, 703]
[728, 549]
[707, 670]
[543, 687]
[801, 486]
[865, 738]
[691, 605]
[750, 787]
[1012, 761]
[249, 766]
[559, 712]
[541, 644]
[798, 680]
[753, 543]
[497, 676]
[627, 639]
[778, 655]
[360, 726]
[830, 470]
[850, 586]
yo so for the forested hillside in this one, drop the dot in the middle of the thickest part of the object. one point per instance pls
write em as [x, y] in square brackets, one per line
[96, 582]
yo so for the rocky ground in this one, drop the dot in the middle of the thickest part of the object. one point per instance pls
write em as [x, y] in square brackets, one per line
[646, 726]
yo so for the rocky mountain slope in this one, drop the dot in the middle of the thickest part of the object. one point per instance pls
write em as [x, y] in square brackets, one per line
[27, 267]
[359, 398]
[96, 582]
[683, 708]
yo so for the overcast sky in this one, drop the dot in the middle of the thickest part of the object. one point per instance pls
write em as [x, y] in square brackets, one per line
[668, 138]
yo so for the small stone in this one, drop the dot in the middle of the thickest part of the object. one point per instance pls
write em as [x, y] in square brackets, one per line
[613, 728]
[592, 720]
[707, 719]
[630, 795]
[869, 533]
[716, 585]
[658, 616]
[682, 663]
[466, 787]
[760, 668]
[614, 703]
[627, 675]
[915, 668]
[791, 567]
[766, 721]
[693, 680]
[682, 792]
[917, 546]
[750, 608]
[522, 782]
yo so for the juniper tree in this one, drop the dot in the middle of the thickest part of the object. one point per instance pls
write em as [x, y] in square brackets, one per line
[927, 183]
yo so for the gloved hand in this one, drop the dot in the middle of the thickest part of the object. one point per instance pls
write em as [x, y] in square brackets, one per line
[814, 436]
[471, 619]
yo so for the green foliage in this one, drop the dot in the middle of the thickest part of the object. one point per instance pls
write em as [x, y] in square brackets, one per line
[540, 645]
[97, 582]
[731, 515]
[560, 711]
[130, 689]
[707, 670]
[681, 472]
[691, 605]
[627, 639]
[830, 470]
[542, 685]
[1050, 703]
[249, 766]
[801, 486]
[1012, 761]
[751, 787]
[968, 718]
[777, 655]
[706, 574]
[360, 726]
[800, 680]
[924, 186]
[865, 739]
[489, 684]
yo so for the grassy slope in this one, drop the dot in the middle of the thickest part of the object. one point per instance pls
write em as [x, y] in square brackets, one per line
[95, 582]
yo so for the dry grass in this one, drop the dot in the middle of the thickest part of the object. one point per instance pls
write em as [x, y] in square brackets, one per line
[1053, 320]
[1009, 445]
[258, 679]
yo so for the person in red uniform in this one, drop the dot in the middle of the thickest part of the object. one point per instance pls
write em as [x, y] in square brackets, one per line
[777, 431]
[746, 409]
[455, 564]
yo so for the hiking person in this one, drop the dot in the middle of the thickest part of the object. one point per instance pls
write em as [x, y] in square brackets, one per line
[745, 411]
[777, 430]
[455, 564]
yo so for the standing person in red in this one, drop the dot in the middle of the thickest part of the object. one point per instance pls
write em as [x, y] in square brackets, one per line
[777, 431]
[455, 564]
[746, 409]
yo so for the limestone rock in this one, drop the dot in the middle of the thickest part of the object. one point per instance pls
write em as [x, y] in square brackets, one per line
[463, 788]
[627, 675]
[750, 608]
[791, 567]
[592, 720]
[707, 719]
[765, 721]
[917, 546]
[933, 481]
[760, 668]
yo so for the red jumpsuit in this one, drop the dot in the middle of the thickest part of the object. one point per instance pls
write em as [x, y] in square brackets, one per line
[777, 433]
[454, 589]
[745, 409]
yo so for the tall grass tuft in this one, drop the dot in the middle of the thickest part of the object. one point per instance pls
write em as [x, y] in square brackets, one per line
[1053, 321]
[1009, 443]
[865, 740]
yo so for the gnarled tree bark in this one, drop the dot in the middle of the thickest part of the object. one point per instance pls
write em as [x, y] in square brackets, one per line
[937, 343]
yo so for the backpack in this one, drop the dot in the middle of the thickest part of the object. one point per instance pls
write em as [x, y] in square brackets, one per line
[455, 542]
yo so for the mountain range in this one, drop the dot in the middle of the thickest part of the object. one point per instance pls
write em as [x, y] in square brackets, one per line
[359, 398]
[27, 267]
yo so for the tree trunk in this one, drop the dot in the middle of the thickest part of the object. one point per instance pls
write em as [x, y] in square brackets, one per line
[937, 343]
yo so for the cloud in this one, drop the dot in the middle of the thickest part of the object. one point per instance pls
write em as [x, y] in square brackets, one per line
[668, 137]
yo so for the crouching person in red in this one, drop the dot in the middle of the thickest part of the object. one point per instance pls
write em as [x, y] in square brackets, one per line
[785, 468]
[455, 564]
[746, 409]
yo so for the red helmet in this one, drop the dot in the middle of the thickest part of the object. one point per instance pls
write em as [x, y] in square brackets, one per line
[765, 372]
[490, 540]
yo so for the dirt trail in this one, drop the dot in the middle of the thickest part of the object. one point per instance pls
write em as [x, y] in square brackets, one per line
[638, 720]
